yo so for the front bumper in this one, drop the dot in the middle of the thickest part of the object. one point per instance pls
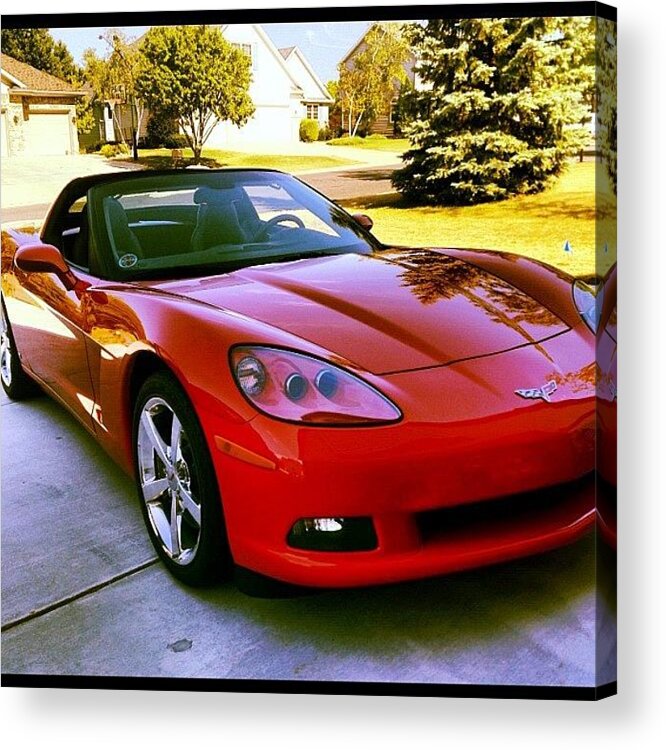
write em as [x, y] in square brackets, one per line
[459, 483]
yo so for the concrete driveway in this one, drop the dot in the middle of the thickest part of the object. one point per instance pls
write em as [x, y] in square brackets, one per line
[30, 184]
[82, 594]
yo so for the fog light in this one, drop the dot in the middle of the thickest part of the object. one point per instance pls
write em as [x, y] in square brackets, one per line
[333, 534]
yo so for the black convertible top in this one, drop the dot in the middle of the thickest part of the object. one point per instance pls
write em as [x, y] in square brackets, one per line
[78, 187]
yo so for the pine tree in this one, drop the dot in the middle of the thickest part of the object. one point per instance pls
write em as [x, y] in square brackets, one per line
[607, 95]
[500, 109]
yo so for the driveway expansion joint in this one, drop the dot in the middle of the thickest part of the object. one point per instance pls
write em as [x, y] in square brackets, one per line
[36, 613]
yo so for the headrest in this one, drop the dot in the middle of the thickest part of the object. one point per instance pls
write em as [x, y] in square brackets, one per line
[213, 195]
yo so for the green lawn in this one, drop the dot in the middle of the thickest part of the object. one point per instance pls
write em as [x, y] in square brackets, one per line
[394, 145]
[535, 225]
[160, 158]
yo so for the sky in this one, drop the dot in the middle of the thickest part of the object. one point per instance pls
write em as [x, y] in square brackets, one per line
[324, 44]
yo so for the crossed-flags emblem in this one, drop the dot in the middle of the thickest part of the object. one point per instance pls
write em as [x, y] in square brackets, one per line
[545, 392]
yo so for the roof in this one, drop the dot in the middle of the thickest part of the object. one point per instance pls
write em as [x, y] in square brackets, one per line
[325, 97]
[32, 78]
[351, 51]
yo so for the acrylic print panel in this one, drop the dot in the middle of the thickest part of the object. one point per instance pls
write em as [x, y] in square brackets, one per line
[309, 350]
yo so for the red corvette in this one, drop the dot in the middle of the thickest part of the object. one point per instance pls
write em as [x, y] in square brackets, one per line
[295, 398]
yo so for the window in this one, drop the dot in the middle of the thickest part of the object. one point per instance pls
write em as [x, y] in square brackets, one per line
[247, 50]
[393, 113]
[312, 111]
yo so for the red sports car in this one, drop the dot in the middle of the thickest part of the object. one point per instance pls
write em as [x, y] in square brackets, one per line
[295, 398]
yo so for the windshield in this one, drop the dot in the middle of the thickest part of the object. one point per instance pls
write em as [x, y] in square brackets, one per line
[211, 222]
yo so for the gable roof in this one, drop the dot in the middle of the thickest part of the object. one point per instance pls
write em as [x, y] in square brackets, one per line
[352, 50]
[27, 77]
[268, 42]
[325, 98]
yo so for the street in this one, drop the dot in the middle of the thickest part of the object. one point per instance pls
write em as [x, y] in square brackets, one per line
[337, 184]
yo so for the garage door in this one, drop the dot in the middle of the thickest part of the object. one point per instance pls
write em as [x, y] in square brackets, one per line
[47, 133]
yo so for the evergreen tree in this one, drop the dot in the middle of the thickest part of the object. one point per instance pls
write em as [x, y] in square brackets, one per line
[500, 109]
[607, 95]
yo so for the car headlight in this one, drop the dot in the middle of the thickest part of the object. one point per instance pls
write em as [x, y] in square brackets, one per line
[589, 300]
[302, 388]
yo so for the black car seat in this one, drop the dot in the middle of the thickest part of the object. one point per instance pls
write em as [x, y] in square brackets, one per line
[217, 220]
[124, 239]
[80, 247]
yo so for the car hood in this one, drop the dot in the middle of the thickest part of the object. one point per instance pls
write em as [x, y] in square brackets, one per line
[393, 311]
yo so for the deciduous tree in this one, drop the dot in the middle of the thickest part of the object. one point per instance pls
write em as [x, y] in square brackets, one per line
[195, 75]
[114, 78]
[369, 82]
[38, 48]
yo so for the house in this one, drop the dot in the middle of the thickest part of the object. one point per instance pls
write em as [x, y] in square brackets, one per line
[38, 112]
[385, 123]
[284, 89]
[316, 97]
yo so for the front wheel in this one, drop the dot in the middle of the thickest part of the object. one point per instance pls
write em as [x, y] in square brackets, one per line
[16, 384]
[177, 485]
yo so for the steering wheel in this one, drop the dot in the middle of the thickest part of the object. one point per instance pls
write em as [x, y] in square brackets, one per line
[278, 220]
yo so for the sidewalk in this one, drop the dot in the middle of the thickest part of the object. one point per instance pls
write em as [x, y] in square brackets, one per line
[364, 157]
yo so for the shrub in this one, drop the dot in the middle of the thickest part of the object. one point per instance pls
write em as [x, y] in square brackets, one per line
[109, 150]
[176, 140]
[325, 134]
[377, 137]
[308, 130]
[346, 140]
[159, 129]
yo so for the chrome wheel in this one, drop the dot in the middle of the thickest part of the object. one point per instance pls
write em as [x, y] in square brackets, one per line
[167, 482]
[5, 352]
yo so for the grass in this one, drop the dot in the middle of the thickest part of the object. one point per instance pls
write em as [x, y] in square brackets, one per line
[160, 158]
[534, 225]
[394, 145]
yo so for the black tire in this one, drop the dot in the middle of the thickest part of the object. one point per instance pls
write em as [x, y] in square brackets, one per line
[209, 559]
[15, 382]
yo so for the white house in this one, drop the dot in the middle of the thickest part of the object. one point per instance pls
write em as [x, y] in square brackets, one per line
[285, 90]
[316, 99]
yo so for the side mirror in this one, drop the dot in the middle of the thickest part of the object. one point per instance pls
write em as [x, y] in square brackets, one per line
[363, 221]
[40, 258]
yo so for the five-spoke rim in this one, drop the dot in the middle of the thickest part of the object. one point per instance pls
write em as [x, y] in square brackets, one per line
[5, 352]
[167, 484]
